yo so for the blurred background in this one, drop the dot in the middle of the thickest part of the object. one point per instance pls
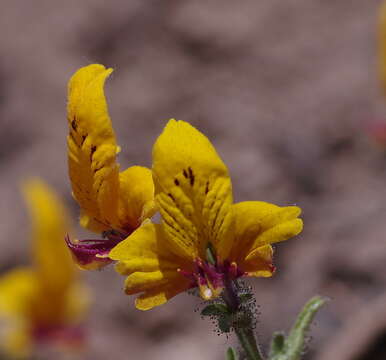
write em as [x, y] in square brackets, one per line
[286, 91]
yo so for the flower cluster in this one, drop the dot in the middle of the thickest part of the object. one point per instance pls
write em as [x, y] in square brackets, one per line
[43, 303]
[203, 240]
[113, 203]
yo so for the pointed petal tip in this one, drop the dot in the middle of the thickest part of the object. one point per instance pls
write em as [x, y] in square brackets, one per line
[94, 68]
[89, 254]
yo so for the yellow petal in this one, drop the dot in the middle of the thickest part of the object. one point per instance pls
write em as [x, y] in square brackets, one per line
[78, 300]
[261, 273]
[145, 250]
[92, 148]
[136, 196]
[50, 224]
[257, 225]
[249, 222]
[151, 299]
[17, 288]
[160, 295]
[281, 215]
[259, 262]
[151, 268]
[90, 223]
[58, 298]
[280, 232]
[126, 267]
[193, 191]
[143, 281]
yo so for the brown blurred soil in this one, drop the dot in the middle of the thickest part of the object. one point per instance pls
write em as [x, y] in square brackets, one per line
[284, 89]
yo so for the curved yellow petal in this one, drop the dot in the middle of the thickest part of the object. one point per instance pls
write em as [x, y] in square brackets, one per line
[259, 262]
[23, 306]
[151, 299]
[77, 300]
[193, 191]
[249, 217]
[143, 281]
[280, 232]
[152, 270]
[59, 298]
[92, 148]
[17, 288]
[145, 250]
[281, 215]
[50, 224]
[257, 225]
[159, 296]
[136, 196]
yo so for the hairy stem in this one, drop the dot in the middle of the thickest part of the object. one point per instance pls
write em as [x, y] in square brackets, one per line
[244, 331]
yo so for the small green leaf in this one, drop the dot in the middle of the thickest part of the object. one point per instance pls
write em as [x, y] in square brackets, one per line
[224, 323]
[294, 343]
[231, 354]
[277, 344]
[295, 339]
[214, 310]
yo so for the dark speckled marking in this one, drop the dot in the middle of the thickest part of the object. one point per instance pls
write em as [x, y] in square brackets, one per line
[98, 168]
[83, 139]
[207, 187]
[93, 149]
[74, 125]
[72, 137]
[191, 176]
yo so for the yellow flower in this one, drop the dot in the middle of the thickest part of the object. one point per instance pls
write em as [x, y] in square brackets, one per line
[45, 302]
[113, 203]
[193, 191]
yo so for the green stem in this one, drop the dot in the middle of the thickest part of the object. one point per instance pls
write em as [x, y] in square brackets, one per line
[245, 333]
[248, 342]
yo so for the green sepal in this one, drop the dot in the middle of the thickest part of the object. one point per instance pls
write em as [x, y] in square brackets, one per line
[225, 323]
[245, 297]
[231, 354]
[291, 347]
[215, 310]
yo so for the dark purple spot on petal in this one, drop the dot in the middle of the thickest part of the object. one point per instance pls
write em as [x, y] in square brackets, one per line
[74, 125]
[191, 176]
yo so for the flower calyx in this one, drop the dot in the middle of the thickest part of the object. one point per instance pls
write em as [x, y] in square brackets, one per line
[93, 254]
[210, 277]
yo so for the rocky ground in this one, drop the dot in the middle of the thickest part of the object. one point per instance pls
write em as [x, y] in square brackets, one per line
[284, 89]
